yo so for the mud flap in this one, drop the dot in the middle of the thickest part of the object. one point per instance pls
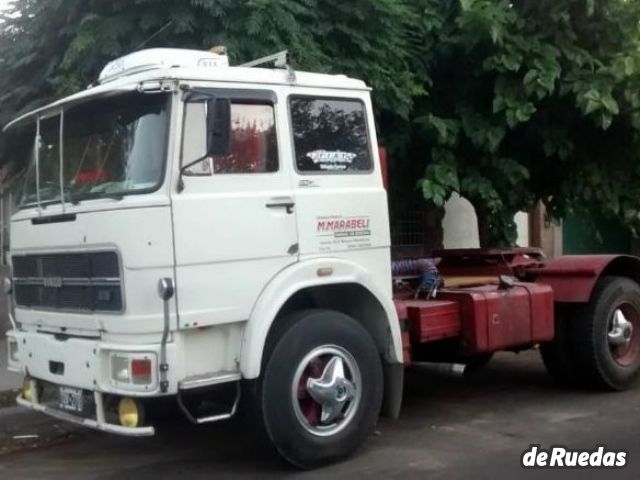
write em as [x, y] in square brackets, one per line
[393, 389]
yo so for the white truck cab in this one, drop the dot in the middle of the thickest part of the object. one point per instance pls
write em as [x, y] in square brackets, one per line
[194, 230]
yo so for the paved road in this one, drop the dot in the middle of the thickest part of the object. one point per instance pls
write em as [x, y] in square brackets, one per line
[451, 427]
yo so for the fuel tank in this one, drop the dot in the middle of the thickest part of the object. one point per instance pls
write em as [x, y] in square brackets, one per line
[494, 318]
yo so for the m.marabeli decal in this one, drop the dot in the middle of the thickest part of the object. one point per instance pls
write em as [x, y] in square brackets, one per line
[332, 160]
[337, 232]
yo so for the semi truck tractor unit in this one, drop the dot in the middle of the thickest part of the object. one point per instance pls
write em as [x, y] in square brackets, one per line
[218, 236]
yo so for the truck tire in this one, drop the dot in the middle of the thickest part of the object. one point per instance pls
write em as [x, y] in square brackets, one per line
[606, 335]
[321, 391]
[557, 354]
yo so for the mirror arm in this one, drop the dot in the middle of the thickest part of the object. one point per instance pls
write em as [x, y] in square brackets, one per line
[184, 168]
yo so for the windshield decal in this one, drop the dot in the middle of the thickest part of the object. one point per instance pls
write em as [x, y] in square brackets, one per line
[332, 159]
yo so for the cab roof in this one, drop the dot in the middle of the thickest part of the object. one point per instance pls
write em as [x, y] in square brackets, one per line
[131, 79]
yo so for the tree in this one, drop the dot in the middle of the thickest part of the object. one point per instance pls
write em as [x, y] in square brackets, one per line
[50, 48]
[506, 102]
[531, 100]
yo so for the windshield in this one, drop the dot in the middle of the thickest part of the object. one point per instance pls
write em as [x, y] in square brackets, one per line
[110, 147]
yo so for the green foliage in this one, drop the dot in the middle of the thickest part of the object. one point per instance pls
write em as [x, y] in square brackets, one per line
[54, 47]
[506, 102]
[531, 100]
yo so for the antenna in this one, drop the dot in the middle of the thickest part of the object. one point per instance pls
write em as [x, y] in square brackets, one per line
[280, 60]
[154, 35]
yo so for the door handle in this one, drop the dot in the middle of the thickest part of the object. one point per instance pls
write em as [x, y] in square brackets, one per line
[286, 204]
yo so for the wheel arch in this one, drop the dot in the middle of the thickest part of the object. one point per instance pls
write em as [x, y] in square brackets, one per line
[574, 277]
[623, 266]
[348, 289]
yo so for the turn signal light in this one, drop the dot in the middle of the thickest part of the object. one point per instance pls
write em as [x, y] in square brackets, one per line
[136, 370]
[141, 371]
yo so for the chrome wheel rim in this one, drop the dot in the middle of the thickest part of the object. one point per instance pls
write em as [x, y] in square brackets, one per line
[623, 335]
[326, 390]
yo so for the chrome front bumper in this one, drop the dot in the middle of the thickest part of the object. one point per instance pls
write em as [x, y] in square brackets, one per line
[99, 423]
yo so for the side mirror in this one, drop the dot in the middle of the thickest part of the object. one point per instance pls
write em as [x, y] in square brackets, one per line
[218, 126]
[218, 135]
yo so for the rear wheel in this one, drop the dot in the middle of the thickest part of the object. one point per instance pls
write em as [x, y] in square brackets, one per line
[321, 391]
[606, 335]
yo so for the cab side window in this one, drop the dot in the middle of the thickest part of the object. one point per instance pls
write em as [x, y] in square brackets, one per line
[330, 135]
[253, 140]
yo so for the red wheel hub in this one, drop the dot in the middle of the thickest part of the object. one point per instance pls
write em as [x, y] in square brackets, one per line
[310, 408]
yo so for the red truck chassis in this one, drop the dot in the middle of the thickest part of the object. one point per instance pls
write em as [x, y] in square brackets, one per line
[495, 300]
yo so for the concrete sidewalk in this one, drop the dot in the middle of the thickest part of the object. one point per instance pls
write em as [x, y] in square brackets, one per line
[8, 380]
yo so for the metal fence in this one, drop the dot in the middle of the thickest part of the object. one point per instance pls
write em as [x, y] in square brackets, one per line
[415, 229]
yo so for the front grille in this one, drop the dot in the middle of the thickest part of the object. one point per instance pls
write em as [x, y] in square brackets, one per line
[69, 281]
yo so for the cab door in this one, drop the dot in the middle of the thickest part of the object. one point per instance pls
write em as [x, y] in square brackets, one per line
[234, 221]
[340, 198]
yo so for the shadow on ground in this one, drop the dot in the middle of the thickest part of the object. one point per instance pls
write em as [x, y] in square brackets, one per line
[451, 426]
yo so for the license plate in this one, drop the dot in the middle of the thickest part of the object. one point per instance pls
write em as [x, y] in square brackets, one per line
[71, 399]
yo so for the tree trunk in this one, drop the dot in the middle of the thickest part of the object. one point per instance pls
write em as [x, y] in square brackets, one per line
[484, 228]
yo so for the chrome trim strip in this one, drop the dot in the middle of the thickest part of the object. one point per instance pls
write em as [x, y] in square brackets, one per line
[208, 380]
[67, 281]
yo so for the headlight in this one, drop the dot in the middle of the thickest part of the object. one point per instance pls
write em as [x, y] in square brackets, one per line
[120, 369]
[133, 371]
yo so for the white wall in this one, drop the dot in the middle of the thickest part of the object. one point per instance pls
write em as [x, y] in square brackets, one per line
[522, 222]
[460, 225]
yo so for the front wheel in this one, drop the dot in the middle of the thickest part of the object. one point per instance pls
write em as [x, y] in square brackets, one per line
[321, 391]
